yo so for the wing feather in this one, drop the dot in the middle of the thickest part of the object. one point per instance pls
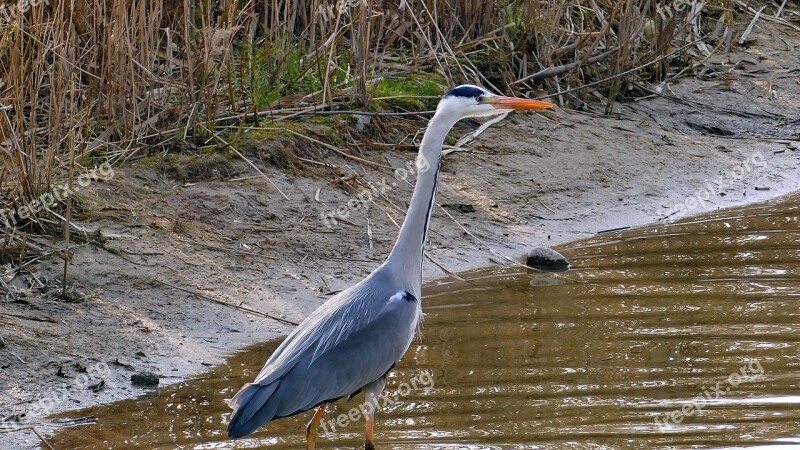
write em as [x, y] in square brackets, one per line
[302, 374]
[359, 359]
[338, 318]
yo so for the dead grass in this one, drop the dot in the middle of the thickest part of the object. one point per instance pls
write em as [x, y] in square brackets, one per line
[114, 80]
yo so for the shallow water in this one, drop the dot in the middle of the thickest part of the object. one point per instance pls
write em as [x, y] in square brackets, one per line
[686, 335]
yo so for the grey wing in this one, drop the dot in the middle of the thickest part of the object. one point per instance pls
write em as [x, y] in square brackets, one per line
[361, 357]
[331, 323]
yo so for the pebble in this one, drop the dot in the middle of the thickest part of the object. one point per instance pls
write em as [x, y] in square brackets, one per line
[146, 379]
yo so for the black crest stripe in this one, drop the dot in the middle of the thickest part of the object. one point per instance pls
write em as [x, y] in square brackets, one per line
[465, 91]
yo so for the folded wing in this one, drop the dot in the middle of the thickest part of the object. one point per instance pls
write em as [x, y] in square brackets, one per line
[338, 361]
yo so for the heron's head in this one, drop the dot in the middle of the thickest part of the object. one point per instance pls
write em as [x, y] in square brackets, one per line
[474, 101]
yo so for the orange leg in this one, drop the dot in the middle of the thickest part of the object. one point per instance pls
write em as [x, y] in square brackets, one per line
[369, 442]
[373, 394]
[313, 427]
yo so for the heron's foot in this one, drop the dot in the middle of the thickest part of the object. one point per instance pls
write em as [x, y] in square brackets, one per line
[368, 445]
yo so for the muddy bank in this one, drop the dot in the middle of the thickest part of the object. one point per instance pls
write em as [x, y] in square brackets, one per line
[169, 245]
[597, 357]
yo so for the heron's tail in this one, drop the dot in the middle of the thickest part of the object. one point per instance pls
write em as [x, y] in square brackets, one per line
[252, 408]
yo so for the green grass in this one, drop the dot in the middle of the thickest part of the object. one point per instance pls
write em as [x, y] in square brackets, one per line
[277, 74]
[413, 85]
[409, 87]
[274, 77]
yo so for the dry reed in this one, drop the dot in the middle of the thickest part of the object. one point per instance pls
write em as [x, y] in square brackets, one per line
[109, 80]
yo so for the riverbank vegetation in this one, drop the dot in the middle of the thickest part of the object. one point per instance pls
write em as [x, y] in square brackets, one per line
[113, 81]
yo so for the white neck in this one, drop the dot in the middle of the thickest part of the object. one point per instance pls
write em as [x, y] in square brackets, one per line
[405, 260]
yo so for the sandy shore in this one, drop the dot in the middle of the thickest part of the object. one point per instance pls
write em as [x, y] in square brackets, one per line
[167, 250]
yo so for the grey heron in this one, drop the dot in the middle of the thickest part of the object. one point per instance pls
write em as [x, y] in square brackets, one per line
[352, 341]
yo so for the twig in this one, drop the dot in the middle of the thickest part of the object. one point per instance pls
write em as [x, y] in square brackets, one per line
[249, 177]
[625, 73]
[488, 37]
[780, 10]
[477, 239]
[311, 161]
[265, 113]
[694, 21]
[424, 253]
[326, 283]
[540, 201]
[441, 266]
[241, 155]
[749, 28]
[44, 441]
[223, 303]
[68, 212]
[694, 104]
[472, 136]
[371, 113]
[45, 255]
[220, 248]
[777, 20]
[611, 230]
[118, 253]
[560, 70]
[328, 146]
[369, 235]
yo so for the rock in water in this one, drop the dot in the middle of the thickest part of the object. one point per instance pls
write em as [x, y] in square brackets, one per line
[544, 258]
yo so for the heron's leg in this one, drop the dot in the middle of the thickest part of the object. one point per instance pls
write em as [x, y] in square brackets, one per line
[313, 426]
[373, 394]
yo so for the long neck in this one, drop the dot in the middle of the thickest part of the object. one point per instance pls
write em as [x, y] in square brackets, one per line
[406, 256]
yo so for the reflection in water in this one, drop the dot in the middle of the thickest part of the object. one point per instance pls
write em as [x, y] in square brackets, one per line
[681, 335]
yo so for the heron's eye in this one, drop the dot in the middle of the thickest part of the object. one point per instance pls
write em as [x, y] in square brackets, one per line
[480, 98]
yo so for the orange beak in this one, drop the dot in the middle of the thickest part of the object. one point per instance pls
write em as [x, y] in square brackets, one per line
[501, 102]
